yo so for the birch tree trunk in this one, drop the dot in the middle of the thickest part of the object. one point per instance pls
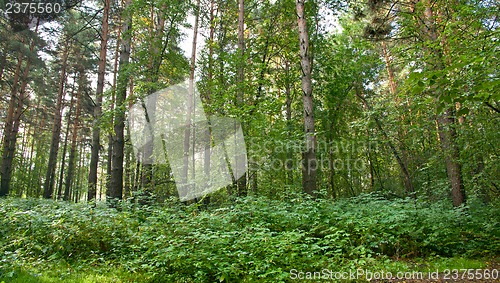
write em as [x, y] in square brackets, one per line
[242, 182]
[309, 162]
[190, 106]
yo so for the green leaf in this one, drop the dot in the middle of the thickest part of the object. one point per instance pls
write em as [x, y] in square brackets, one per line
[463, 111]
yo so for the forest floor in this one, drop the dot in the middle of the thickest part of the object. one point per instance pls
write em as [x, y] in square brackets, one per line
[253, 239]
[102, 274]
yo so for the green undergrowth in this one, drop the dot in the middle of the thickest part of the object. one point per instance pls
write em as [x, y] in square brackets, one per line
[249, 240]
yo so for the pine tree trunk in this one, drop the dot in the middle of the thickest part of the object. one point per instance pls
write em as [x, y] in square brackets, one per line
[113, 95]
[9, 135]
[13, 119]
[116, 180]
[96, 135]
[48, 188]
[74, 135]
[309, 165]
[65, 144]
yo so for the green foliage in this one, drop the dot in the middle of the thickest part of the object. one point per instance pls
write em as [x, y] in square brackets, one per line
[252, 239]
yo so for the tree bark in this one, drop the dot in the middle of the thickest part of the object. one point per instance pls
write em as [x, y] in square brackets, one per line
[65, 144]
[116, 180]
[288, 111]
[74, 135]
[309, 161]
[96, 134]
[9, 134]
[445, 121]
[190, 110]
[48, 188]
[113, 95]
[242, 181]
[13, 119]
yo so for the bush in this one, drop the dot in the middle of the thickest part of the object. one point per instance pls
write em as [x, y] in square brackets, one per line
[250, 239]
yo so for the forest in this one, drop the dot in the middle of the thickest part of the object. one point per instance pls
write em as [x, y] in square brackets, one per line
[249, 141]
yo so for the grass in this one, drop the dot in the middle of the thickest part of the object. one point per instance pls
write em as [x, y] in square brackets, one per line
[62, 272]
[58, 272]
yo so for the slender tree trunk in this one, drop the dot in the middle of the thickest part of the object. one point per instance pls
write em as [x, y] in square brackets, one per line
[65, 144]
[31, 160]
[288, 110]
[190, 104]
[208, 97]
[113, 94]
[242, 181]
[309, 166]
[82, 172]
[96, 135]
[128, 172]
[48, 188]
[116, 180]
[74, 135]
[9, 135]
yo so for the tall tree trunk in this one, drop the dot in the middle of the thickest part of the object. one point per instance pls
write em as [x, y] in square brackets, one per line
[208, 97]
[48, 188]
[157, 54]
[65, 144]
[309, 165]
[13, 119]
[113, 95]
[31, 160]
[9, 134]
[96, 135]
[447, 136]
[116, 180]
[242, 182]
[288, 111]
[445, 121]
[190, 110]
[74, 135]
